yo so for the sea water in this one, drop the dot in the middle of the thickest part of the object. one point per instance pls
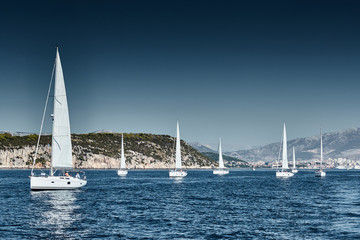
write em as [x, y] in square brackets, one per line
[150, 205]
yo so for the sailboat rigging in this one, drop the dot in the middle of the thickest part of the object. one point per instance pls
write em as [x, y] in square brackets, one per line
[320, 172]
[178, 171]
[60, 176]
[221, 170]
[284, 168]
[122, 171]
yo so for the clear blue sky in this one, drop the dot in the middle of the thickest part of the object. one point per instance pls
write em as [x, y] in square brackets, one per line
[230, 69]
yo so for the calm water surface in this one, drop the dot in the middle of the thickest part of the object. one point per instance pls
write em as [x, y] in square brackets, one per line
[149, 205]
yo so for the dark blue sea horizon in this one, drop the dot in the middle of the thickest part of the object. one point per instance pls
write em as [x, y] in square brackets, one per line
[150, 205]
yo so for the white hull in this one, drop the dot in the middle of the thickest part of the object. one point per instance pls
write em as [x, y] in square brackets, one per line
[340, 167]
[177, 173]
[221, 171]
[294, 171]
[55, 183]
[320, 173]
[284, 174]
[122, 172]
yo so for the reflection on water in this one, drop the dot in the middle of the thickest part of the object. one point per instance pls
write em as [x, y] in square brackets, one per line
[150, 205]
[178, 180]
[58, 211]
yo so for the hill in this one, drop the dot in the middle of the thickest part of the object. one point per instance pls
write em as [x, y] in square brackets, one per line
[339, 144]
[201, 147]
[101, 150]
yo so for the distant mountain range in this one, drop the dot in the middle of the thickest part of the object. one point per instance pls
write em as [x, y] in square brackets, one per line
[340, 144]
[229, 161]
[202, 147]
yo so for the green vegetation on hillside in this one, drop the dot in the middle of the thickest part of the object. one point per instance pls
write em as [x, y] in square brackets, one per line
[159, 147]
[9, 141]
[109, 144]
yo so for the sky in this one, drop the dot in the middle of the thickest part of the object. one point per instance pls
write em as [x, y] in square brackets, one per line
[230, 69]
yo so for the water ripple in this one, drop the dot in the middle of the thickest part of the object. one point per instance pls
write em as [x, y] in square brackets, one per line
[150, 205]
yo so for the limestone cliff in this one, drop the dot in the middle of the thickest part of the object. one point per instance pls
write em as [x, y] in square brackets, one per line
[101, 150]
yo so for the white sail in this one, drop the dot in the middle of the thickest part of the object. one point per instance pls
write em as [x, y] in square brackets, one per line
[284, 153]
[294, 158]
[321, 150]
[320, 172]
[61, 155]
[122, 161]
[178, 150]
[221, 161]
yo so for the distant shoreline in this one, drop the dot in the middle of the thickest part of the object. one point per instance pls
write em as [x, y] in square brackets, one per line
[167, 169]
[130, 169]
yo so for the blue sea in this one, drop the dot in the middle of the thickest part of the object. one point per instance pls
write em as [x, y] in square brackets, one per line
[150, 205]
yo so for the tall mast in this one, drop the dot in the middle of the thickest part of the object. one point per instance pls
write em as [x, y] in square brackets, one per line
[178, 150]
[278, 159]
[122, 162]
[321, 150]
[57, 62]
[294, 157]
[284, 153]
[221, 161]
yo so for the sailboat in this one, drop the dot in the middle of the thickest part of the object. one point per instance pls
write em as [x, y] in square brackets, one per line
[177, 172]
[221, 170]
[60, 176]
[320, 172]
[122, 171]
[284, 168]
[294, 170]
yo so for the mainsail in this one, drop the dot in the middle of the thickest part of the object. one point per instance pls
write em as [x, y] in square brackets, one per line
[61, 155]
[178, 150]
[321, 150]
[122, 162]
[284, 153]
[294, 158]
[221, 161]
